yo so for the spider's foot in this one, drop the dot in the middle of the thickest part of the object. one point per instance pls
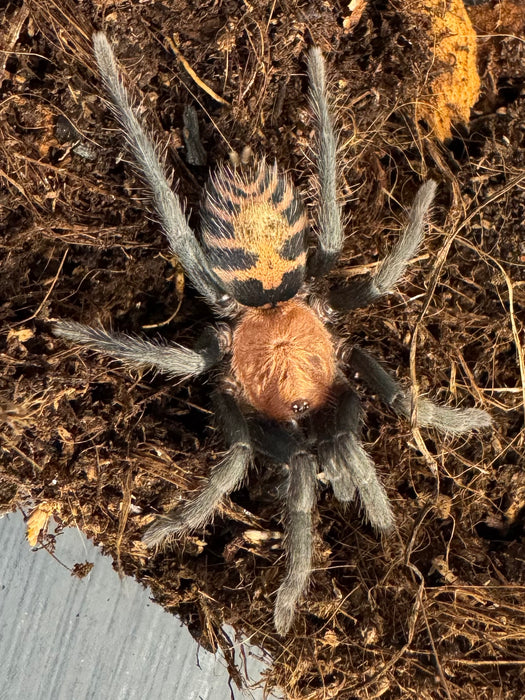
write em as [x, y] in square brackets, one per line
[456, 421]
[163, 528]
[286, 604]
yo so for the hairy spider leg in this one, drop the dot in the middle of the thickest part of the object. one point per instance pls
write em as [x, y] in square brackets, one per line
[424, 412]
[285, 447]
[300, 501]
[348, 467]
[226, 476]
[331, 234]
[172, 360]
[364, 289]
[167, 205]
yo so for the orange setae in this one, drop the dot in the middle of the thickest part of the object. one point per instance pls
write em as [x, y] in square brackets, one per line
[284, 359]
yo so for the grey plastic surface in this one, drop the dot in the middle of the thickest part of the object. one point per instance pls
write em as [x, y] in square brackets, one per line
[62, 638]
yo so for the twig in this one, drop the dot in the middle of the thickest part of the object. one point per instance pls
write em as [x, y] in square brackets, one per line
[48, 293]
[494, 662]
[194, 75]
[123, 519]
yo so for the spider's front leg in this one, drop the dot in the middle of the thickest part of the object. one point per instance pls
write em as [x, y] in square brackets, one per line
[225, 476]
[348, 467]
[426, 413]
[277, 443]
[364, 289]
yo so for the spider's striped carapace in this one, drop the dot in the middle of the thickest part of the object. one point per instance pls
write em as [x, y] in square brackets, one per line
[254, 230]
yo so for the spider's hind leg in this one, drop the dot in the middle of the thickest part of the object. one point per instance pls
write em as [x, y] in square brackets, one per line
[281, 446]
[364, 289]
[427, 413]
[330, 223]
[348, 467]
[149, 163]
[225, 476]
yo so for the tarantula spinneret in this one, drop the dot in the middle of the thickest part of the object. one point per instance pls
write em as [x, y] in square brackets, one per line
[285, 394]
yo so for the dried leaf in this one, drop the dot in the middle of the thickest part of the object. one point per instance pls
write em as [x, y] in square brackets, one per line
[81, 570]
[38, 520]
[356, 7]
[21, 334]
[455, 89]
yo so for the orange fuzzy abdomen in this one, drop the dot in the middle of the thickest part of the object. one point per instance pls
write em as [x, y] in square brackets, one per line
[284, 359]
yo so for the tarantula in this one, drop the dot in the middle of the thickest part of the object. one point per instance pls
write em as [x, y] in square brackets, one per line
[285, 367]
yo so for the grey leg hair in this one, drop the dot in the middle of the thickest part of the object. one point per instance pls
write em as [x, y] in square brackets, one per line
[181, 238]
[394, 265]
[426, 413]
[299, 542]
[286, 447]
[225, 477]
[173, 360]
[349, 468]
[330, 224]
[449, 420]
[363, 290]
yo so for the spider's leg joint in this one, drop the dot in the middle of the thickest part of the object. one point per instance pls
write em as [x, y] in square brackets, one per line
[348, 467]
[427, 413]
[225, 477]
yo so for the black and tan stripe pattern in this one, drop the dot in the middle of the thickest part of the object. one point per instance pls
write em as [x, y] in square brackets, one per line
[254, 230]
